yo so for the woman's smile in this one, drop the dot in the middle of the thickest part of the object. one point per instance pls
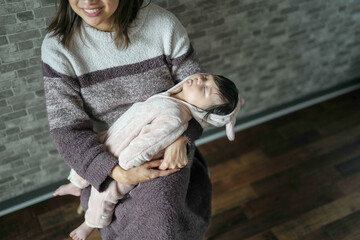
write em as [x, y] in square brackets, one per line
[98, 14]
[92, 12]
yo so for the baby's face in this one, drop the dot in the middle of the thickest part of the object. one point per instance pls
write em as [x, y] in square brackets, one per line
[201, 91]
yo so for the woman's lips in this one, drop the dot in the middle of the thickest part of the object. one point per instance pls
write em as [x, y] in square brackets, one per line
[92, 12]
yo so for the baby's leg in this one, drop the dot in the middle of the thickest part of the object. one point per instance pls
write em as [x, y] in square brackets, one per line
[101, 208]
[68, 189]
[101, 205]
[81, 232]
[77, 180]
[73, 188]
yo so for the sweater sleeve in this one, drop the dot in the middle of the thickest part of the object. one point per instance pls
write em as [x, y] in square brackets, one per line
[181, 56]
[70, 126]
[183, 62]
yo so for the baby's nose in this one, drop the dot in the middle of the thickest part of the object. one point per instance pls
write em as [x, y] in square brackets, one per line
[200, 79]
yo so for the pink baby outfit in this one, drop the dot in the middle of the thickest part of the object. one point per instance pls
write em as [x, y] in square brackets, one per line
[141, 134]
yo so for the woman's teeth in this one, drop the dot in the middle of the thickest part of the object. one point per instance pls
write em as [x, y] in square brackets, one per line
[92, 10]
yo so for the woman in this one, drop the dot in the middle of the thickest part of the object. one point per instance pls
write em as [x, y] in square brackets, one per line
[99, 58]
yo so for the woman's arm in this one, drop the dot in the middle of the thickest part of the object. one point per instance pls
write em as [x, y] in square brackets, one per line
[183, 62]
[72, 130]
[143, 173]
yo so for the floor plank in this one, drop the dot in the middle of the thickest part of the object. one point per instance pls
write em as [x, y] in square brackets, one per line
[263, 236]
[347, 228]
[317, 218]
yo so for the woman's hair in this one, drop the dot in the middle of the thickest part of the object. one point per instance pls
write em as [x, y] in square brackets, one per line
[228, 93]
[66, 22]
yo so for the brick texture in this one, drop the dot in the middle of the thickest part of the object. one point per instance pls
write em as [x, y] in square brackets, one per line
[275, 50]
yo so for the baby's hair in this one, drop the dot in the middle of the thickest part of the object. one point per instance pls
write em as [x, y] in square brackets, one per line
[228, 93]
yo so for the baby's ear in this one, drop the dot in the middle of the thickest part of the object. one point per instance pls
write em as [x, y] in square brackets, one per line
[230, 132]
[241, 101]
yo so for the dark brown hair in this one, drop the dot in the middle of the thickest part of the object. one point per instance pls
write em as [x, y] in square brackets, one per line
[228, 92]
[66, 22]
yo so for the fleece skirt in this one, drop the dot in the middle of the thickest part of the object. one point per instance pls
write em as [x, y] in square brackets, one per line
[173, 207]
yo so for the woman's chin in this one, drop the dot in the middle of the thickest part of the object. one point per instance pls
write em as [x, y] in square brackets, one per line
[98, 25]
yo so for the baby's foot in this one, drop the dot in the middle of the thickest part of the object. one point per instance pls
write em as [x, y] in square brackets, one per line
[82, 232]
[67, 189]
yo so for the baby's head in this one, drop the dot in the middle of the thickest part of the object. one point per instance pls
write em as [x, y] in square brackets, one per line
[229, 95]
[214, 94]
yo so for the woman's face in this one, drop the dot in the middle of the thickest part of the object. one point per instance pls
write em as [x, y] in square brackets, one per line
[96, 13]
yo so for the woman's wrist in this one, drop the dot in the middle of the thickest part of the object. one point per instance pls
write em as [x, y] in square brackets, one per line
[193, 132]
[118, 174]
[183, 140]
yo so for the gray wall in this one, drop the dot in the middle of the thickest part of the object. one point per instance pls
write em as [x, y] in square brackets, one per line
[275, 50]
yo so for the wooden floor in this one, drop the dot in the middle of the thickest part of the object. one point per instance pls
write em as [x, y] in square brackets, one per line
[295, 177]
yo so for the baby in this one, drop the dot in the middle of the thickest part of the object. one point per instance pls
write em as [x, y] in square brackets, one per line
[147, 128]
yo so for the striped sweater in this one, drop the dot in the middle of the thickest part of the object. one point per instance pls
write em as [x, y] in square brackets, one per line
[93, 81]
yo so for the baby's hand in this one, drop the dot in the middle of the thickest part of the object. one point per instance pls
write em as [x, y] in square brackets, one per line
[173, 164]
[175, 155]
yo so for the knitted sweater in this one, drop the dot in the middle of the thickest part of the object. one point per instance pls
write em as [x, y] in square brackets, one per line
[95, 81]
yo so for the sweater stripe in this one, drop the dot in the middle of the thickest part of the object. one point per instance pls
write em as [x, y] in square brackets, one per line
[91, 78]
[177, 61]
[96, 77]
[49, 72]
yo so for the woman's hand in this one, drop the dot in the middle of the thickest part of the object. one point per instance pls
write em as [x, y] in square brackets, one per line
[175, 155]
[142, 173]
